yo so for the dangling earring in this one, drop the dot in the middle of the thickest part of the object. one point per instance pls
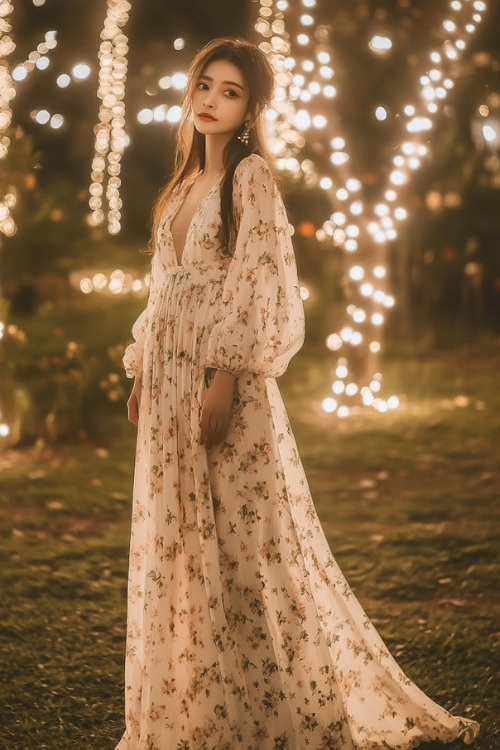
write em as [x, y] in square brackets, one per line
[244, 136]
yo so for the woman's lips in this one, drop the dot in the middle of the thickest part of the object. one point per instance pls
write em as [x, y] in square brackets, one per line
[206, 116]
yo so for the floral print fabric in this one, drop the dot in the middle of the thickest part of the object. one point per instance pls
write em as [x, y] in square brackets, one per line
[242, 631]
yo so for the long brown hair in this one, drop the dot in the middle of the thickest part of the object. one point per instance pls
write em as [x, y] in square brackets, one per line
[190, 144]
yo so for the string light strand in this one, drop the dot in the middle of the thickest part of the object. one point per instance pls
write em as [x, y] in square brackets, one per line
[110, 136]
[38, 59]
[7, 201]
[7, 93]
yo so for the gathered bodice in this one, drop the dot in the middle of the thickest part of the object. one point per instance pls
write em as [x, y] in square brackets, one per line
[254, 320]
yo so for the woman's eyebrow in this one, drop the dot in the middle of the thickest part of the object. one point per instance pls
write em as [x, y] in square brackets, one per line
[227, 83]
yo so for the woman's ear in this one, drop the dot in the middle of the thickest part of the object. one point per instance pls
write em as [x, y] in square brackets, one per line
[251, 116]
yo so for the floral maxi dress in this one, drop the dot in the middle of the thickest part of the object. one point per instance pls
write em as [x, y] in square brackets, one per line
[242, 631]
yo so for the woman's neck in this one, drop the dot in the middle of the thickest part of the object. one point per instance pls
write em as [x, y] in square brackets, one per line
[214, 154]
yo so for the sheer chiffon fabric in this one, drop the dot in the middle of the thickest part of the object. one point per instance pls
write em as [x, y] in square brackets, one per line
[242, 631]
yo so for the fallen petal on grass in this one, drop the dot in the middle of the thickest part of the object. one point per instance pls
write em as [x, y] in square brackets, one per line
[55, 505]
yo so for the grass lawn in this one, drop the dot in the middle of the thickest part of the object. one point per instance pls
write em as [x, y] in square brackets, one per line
[409, 502]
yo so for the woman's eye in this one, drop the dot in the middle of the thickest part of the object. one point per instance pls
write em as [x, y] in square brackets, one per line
[202, 85]
[231, 93]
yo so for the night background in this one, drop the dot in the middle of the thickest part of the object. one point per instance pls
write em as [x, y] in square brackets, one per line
[453, 197]
[408, 490]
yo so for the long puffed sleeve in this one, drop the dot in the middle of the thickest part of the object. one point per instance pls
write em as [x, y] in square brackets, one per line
[134, 353]
[262, 317]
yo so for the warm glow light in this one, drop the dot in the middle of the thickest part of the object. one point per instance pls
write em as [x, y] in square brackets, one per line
[329, 405]
[165, 82]
[81, 71]
[304, 293]
[326, 72]
[490, 135]
[419, 124]
[329, 91]
[63, 80]
[56, 121]
[356, 273]
[337, 143]
[339, 157]
[380, 45]
[353, 185]
[174, 114]
[302, 119]
[381, 209]
[145, 116]
[179, 81]
[319, 121]
[334, 342]
[42, 117]
[19, 73]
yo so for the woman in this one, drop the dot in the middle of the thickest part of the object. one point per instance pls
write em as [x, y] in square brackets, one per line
[242, 631]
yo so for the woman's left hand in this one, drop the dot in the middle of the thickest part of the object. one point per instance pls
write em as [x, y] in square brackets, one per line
[216, 409]
[134, 402]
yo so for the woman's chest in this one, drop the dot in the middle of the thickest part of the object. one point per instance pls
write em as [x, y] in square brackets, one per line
[185, 212]
[192, 228]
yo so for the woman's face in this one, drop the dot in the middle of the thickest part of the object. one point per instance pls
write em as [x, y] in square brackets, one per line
[220, 100]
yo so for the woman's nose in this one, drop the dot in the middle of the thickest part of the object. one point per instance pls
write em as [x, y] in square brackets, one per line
[208, 102]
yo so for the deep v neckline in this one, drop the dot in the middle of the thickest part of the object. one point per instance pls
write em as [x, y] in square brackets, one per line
[183, 195]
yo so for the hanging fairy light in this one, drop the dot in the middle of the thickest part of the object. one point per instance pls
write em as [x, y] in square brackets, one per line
[7, 93]
[363, 237]
[110, 136]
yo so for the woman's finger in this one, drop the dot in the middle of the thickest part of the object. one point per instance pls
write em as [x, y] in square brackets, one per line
[133, 409]
[204, 427]
[219, 432]
[212, 434]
